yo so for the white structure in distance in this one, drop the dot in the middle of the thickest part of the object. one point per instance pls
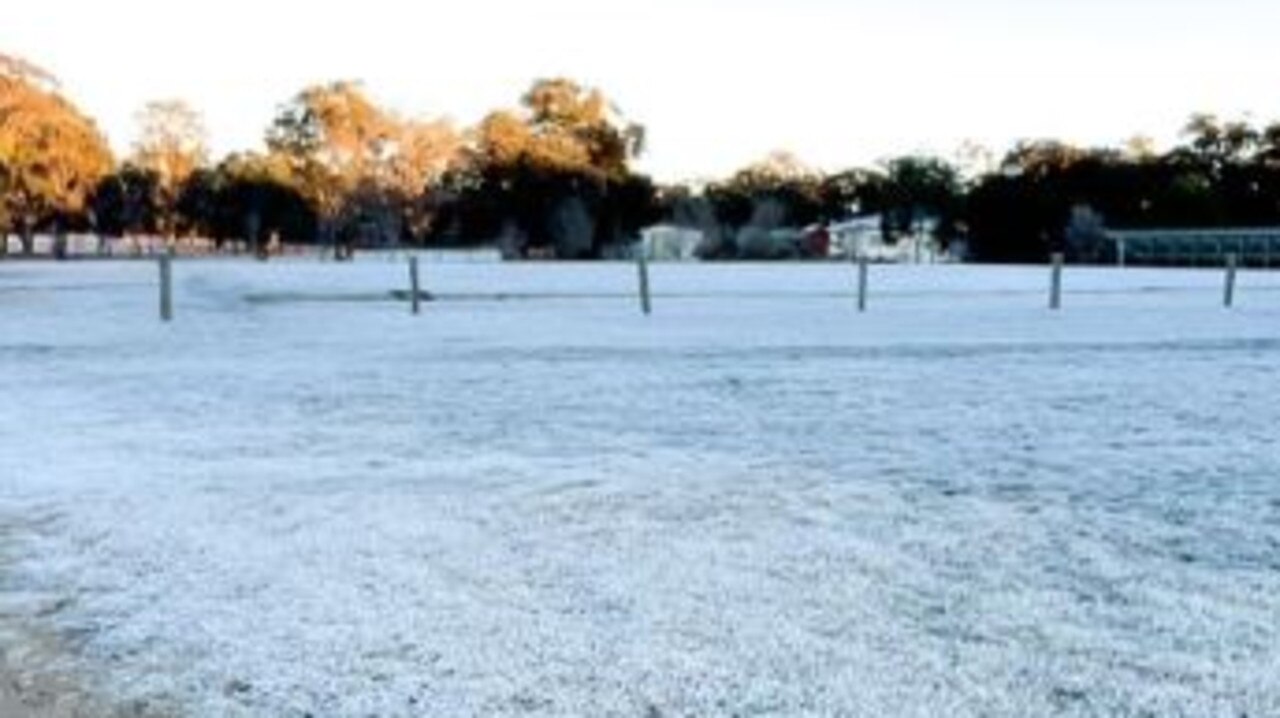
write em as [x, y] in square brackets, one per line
[864, 237]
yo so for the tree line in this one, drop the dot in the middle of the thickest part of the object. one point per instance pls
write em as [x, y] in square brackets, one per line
[555, 176]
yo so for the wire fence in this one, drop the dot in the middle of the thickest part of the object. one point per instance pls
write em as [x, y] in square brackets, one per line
[420, 282]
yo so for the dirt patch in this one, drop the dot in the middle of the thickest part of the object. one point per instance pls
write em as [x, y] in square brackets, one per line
[38, 676]
[32, 685]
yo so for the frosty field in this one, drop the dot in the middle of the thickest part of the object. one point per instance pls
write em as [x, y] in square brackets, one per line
[297, 499]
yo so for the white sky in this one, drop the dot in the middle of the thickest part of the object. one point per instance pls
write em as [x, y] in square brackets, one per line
[719, 83]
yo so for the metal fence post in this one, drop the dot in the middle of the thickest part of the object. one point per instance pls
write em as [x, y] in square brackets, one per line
[862, 284]
[642, 267]
[1229, 288]
[415, 297]
[166, 287]
[1055, 282]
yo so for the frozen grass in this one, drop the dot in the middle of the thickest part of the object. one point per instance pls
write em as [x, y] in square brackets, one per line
[754, 502]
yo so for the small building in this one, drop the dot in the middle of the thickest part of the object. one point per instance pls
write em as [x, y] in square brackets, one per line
[864, 237]
[669, 243]
[816, 243]
[855, 237]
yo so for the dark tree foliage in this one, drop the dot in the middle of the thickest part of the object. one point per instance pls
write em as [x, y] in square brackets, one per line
[916, 188]
[237, 201]
[777, 192]
[553, 179]
[546, 207]
[127, 202]
[1223, 175]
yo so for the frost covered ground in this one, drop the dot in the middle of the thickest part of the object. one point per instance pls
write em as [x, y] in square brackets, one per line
[298, 499]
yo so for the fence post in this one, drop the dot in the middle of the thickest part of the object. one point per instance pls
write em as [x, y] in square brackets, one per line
[642, 266]
[1229, 289]
[415, 297]
[1055, 282]
[862, 284]
[166, 287]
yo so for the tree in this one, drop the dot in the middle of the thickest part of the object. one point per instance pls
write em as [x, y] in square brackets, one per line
[1050, 196]
[778, 167]
[852, 192]
[419, 155]
[973, 159]
[252, 196]
[1269, 146]
[502, 139]
[172, 143]
[198, 203]
[1215, 145]
[560, 127]
[1040, 158]
[330, 136]
[128, 201]
[53, 154]
[918, 187]
[554, 173]
[365, 170]
[777, 191]
[575, 127]
[1140, 148]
